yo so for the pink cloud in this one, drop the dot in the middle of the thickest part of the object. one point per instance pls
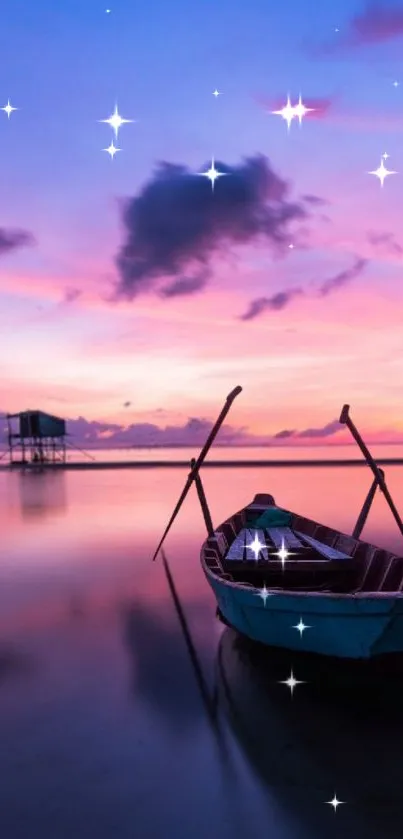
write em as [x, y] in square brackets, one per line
[375, 25]
[193, 433]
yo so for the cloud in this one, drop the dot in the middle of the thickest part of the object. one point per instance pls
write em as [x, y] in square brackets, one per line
[315, 200]
[377, 24]
[126, 404]
[192, 433]
[71, 295]
[10, 240]
[284, 435]
[386, 242]
[275, 303]
[343, 277]
[283, 298]
[177, 223]
[186, 285]
[327, 430]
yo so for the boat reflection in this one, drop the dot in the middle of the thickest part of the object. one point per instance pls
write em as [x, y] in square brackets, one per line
[340, 732]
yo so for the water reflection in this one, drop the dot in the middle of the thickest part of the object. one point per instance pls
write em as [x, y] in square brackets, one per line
[341, 732]
[14, 664]
[158, 658]
[42, 493]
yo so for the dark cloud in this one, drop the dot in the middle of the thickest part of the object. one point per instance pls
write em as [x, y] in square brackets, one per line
[10, 240]
[386, 242]
[343, 277]
[315, 200]
[284, 435]
[177, 222]
[327, 430]
[275, 303]
[71, 295]
[186, 285]
[126, 404]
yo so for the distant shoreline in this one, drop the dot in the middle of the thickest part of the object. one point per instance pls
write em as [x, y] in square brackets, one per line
[184, 464]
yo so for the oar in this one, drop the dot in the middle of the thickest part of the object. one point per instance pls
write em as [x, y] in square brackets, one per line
[377, 472]
[202, 456]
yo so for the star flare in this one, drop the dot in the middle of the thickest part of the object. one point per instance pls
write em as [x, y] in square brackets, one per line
[264, 593]
[283, 553]
[212, 174]
[335, 802]
[287, 112]
[300, 110]
[301, 626]
[256, 546]
[8, 109]
[291, 683]
[112, 149]
[116, 121]
[382, 172]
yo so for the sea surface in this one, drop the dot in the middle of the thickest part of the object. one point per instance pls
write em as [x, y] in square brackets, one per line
[103, 729]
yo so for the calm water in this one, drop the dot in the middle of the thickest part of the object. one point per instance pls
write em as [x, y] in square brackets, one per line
[102, 729]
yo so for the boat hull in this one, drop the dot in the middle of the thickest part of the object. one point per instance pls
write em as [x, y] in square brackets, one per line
[344, 626]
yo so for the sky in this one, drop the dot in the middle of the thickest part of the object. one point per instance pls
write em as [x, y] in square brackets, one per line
[133, 295]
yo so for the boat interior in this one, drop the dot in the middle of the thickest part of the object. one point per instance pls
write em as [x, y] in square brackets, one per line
[318, 557]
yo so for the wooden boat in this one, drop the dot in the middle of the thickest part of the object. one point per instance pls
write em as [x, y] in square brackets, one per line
[348, 593]
[287, 581]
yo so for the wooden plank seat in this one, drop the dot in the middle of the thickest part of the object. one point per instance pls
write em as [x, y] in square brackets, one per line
[310, 564]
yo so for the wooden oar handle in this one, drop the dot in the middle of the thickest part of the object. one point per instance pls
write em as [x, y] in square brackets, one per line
[344, 416]
[234, 393]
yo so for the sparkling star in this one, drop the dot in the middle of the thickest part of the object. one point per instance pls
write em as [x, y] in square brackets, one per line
[292, 682]
[300, 110]
[335, 802]
[8, 109]
[301, 626]
[382, 172]
[212, 174]
[116, 121]
[287, 112]
[283, 553]
[386, 155]
[264, 593]
[216, 93]
[107, 11]
[336, 30]
[395, 84]
[112, 149]
[291, 246]
[256, 546]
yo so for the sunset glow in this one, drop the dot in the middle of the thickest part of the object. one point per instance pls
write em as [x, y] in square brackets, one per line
[133, 293]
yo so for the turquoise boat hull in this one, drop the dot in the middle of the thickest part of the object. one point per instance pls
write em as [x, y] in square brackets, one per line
[346, 626]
